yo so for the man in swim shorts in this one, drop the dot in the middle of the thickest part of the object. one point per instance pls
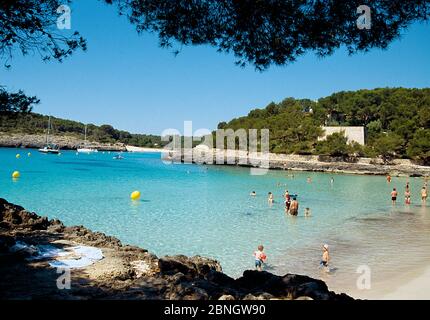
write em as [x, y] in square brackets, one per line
[394, 196]
[294, 207]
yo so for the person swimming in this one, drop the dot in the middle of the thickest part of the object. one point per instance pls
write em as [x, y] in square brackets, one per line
[260, 258]
[253, 194]
[294, 207]
[325, 257]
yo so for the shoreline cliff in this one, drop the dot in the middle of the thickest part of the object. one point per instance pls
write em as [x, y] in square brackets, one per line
[36, 141]
[293, 162]
[128, 272]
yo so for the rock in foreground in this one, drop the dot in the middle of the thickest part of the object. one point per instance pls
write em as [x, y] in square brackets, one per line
[129, 272]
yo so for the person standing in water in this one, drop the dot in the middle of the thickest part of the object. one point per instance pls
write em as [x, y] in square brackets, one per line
[394, 196]
[260, 258]
[270, 198]
[331, 180]
[407, 196]
[294, 207]
[325, 257]
[287, 201]
[307, 212]
[424, 194]
[388, 178]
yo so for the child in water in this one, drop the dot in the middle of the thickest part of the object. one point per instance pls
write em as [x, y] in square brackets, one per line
[325, 257]
[260, 258]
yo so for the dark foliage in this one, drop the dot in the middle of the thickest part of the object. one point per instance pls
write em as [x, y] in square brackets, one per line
[16, 102]
[397, 122]
[30, 26]
[33, 123]
[273, 32]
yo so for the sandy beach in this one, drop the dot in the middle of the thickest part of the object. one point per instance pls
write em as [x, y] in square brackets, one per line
[416, 289]
[140, 149]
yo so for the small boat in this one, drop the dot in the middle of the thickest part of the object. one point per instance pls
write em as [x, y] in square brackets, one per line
[118, 157]
[85, 148]
[49, 147]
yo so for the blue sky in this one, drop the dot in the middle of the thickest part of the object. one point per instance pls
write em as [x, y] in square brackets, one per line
[128, 81]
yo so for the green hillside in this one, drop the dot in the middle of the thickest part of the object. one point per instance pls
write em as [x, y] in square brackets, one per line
[33, 123]
[397, 121]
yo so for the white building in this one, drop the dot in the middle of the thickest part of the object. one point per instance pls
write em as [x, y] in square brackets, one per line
[356, 134]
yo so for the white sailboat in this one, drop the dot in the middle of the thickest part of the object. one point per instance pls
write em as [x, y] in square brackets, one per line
[86, 148]
[49, 147]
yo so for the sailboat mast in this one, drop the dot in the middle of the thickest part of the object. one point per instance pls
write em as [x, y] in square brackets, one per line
[49, 127]
[85, 134]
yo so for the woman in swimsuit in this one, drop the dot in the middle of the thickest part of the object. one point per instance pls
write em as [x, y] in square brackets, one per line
[424, 194]
[270, 198]
[287, 201]
[407, 197]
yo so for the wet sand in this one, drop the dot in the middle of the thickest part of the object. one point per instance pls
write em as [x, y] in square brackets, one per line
[417, 288]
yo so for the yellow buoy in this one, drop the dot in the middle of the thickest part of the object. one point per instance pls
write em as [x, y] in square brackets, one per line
[135, 195]
[18, 156]
[29, 154]
[15, 174]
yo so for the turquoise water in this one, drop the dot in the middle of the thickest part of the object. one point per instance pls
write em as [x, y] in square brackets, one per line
[190, 209]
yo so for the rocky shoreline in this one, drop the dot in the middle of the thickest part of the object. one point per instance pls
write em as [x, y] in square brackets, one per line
[36, 141]
[129, 272]
[313, 163]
